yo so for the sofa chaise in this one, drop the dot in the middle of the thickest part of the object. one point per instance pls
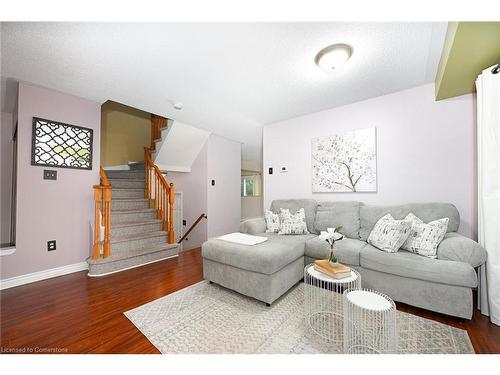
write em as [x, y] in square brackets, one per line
[268, 270]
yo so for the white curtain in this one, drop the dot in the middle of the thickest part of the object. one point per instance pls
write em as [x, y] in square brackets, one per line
[488, 149]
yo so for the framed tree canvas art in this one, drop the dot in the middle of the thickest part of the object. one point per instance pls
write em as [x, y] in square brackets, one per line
[345, 162]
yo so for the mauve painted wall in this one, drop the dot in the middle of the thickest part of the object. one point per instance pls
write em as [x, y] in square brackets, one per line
[6, 132]
[224, 199]
[425, 151]
[194, 195]
[59, 210]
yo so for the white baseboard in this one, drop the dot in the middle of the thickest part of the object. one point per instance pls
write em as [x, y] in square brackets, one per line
[42, 275]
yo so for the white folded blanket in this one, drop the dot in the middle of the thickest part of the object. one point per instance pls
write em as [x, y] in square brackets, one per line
[242, 238]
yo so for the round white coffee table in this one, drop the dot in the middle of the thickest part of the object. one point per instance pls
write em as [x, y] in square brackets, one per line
[323, 302]
[369, 322]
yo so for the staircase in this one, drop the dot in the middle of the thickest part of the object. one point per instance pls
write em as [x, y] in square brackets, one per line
[136, 234]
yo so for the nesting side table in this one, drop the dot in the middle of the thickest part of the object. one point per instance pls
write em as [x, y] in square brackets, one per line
[369, 322]
[323, 307]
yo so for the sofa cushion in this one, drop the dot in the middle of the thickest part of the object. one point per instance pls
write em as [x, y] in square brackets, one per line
[406, 264]
[267, 257]
[347, 250]
[253, 226]
[336, 214]
[309, 206]
[369, 215]
[462, 249]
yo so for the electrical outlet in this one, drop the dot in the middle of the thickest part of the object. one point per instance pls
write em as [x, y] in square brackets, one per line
[49, 174]
[284, 169]
[270, 170]
[184, 222]
[213, 182]
[51, 245]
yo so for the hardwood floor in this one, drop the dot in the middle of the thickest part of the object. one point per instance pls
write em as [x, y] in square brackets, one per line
[78, 314]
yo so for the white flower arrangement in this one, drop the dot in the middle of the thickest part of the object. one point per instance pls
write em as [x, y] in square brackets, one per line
[332, 235]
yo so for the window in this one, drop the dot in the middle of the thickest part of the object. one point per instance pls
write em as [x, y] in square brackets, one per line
[250, 185]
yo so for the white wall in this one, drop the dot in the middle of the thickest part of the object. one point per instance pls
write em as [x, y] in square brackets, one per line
[194, 195]
[224, 203]
[425, 151]
[6, 132]
[219, 159]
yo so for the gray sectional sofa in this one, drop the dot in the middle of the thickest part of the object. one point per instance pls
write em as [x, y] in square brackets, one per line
[267, 270]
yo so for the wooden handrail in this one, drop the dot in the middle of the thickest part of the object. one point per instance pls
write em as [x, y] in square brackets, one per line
[160, 193]
[104, 177]
[157, 124]
[202, 216]
[102, 200]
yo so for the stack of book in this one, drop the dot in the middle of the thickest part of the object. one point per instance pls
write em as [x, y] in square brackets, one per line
[340, 271]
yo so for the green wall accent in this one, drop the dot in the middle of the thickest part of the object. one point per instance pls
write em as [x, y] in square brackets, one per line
[469, 48]
[125, 131]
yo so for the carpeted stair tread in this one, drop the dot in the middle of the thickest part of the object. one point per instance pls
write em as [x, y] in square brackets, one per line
[138, 210]
[134, 189]
[139, 236]
[136, 176]
[120, 255]
[129, 199]
[135, 223]
[125, 179]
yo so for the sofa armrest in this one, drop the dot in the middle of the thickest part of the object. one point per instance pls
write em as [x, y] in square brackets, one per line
[253, 226]
[462, 249]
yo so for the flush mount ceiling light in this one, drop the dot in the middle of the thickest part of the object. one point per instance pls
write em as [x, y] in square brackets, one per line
[177, 105]
[333, 57]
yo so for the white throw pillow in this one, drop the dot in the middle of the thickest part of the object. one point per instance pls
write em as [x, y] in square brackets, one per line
[272, 222]
[293, 223]
[389, 234]
[424, 239]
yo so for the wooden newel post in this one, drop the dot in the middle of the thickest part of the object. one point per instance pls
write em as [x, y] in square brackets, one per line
[97, 228]
[171, 199]
[106, 202]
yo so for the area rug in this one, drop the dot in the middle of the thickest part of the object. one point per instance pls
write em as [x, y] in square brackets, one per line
[207, 318]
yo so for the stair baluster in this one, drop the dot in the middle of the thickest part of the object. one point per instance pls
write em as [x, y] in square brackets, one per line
[102, 198]
[160, 194]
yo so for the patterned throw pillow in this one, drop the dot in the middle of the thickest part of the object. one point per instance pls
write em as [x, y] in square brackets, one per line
[293, 223]
[272, 222]
[389, 234]
[424, 239]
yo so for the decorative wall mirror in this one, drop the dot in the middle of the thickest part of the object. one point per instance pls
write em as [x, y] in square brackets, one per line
[57, 144]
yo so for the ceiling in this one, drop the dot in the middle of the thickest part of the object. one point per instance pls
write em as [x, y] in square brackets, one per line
[232, 78]
[469, 48]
